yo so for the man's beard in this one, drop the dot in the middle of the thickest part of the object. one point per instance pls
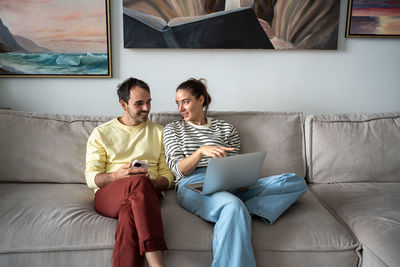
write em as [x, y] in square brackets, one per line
[136, 116]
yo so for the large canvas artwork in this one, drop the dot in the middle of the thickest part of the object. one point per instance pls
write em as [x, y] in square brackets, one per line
[266, 24]
[373, 18]
[55, 38]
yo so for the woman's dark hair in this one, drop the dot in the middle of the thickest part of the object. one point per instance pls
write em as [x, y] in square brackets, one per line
[197, 88]
[124, 89]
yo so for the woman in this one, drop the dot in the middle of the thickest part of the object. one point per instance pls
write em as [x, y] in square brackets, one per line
[189, 144]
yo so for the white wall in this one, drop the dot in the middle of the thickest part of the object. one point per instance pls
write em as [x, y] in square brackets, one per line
[363, 75]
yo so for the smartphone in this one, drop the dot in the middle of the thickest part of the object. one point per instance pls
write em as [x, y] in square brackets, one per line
[140, 164]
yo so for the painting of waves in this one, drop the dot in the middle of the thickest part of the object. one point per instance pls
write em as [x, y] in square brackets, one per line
[47, 39]
[54, 63]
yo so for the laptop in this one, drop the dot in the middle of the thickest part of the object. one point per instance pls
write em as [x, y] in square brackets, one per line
[229, 173]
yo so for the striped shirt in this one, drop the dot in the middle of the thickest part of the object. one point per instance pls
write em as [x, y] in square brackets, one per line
[181, 139]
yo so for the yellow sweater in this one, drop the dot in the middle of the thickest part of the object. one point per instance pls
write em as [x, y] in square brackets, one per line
[113, 144]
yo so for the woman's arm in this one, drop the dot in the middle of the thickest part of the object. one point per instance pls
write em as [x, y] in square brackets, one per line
[173, 152]
[233, 141]
[188, 164]
[183, 165]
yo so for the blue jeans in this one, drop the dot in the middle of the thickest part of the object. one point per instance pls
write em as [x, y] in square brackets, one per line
[230, 211]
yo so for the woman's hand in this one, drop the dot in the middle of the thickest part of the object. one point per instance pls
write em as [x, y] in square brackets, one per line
[189, 164]
[215, 151]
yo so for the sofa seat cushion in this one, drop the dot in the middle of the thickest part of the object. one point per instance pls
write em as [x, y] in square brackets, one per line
[372, 211]
[182, 229]
[40, 217]
[60, 218]
[306, 232]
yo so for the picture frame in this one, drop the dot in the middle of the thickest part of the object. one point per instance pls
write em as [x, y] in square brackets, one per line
[66, 39]
[373, 19]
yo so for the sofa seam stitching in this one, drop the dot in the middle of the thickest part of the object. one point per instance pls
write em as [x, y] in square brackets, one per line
[357, 121]
[341, 221]
[311, 140]
[303, 141]
[333, 213]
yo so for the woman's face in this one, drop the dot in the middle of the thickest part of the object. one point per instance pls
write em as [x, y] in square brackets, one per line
[189, 107]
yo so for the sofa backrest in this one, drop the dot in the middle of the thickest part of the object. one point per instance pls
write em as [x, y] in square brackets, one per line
[280, 134]
[44, 147]
[51, 148]
[353, 148]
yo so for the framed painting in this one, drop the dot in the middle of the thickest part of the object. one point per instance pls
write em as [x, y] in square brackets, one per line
[55, 38]
[373, 18]
[253, 24]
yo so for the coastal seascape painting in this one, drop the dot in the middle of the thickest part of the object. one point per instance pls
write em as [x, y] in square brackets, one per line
[55, 38]
[239, 24]
[373, 18]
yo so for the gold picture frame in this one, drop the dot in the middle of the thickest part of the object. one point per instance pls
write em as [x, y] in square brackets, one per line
[55, 39]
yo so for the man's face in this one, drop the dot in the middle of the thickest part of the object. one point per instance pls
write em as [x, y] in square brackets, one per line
[138, 108]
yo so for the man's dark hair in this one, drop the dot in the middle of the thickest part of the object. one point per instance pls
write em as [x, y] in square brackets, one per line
[124, 89]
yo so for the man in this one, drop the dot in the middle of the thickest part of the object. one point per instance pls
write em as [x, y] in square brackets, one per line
[125, 192]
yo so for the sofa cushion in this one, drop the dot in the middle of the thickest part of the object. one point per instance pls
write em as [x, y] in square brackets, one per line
[305, 235]
[353, 148]
[280, 134]
[53, 220]
[44, 147]
[36, 217]
[56, 145]
[372, 211]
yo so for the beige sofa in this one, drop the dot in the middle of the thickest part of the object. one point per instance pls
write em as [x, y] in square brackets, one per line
[349, 217]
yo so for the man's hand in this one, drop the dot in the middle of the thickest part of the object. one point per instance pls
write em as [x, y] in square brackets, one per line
[161, 183]
[215, 151]
[125, 171]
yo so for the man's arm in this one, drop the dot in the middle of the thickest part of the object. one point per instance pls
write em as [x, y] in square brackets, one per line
[96, 161]
[125, 171]
[102, 179]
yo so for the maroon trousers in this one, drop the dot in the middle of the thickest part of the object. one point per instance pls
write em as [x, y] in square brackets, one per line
[136, 204]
